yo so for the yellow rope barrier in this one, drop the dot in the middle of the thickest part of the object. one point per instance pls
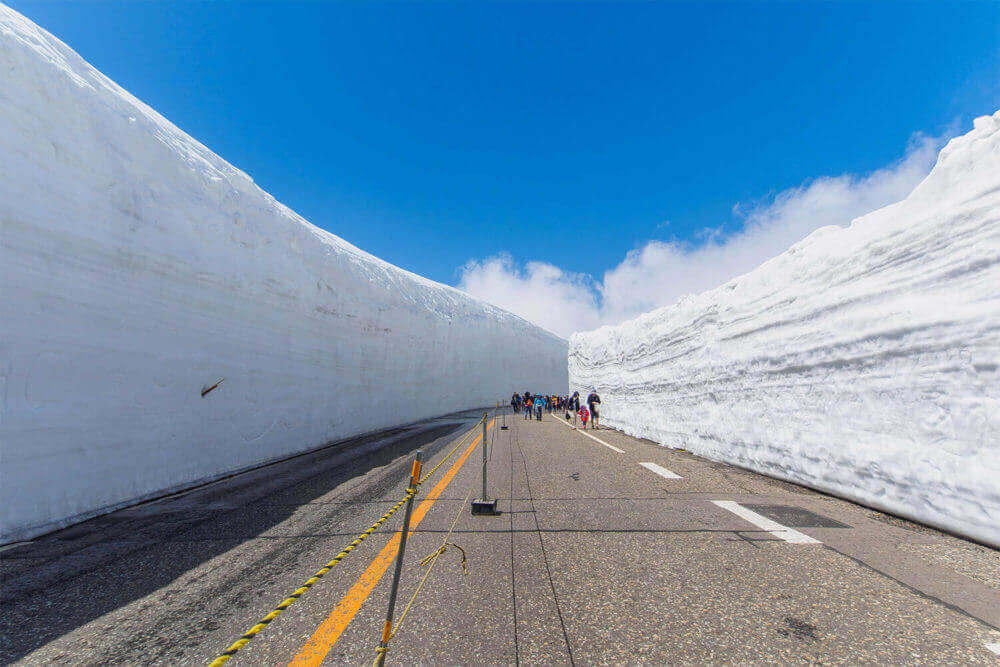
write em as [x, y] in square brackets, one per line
[287, 602]
[428, 562]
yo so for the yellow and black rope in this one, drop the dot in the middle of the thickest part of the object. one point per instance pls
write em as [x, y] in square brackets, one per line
[427, 561]
[287, 602]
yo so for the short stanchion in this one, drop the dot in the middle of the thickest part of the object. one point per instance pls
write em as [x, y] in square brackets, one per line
[503, 416]
[383, 646]
[484, 506]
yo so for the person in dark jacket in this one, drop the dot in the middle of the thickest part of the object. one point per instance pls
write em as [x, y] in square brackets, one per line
[574, 406]
[592, 402]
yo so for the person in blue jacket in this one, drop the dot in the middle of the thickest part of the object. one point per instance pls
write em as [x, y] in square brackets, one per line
[539, 405]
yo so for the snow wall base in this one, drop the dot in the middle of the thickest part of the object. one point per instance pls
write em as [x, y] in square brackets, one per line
[862, 362]
[138, 269]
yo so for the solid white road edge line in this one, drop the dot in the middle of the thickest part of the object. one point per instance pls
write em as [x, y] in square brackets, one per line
[661, 471]
[773, 527]
[582, 432]
[993, 647]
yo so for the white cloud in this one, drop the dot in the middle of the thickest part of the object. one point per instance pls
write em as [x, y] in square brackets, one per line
[557, 300]
[660, 272]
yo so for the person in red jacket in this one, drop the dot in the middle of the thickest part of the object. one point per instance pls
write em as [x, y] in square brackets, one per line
[584, 416]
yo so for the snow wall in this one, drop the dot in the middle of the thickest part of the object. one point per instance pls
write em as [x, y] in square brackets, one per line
[137, 268]
[862, 362]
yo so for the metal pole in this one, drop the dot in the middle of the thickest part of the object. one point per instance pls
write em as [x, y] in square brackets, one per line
[484, 456]
[387, 627]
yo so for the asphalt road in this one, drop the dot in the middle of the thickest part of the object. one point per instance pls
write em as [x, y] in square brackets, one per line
[594, 558]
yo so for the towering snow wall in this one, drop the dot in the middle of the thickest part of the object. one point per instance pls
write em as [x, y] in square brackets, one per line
[863, 361]
[137, 268]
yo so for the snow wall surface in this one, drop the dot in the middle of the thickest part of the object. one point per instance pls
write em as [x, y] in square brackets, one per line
[863, 361]
[137, 268]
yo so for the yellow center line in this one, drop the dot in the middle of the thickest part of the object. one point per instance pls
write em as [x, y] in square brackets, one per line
[329, 631]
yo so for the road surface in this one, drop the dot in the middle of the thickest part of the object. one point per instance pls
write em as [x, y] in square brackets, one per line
[605, 550]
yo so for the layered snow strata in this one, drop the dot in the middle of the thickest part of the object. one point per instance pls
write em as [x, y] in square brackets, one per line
[863, 361]
[137, 269]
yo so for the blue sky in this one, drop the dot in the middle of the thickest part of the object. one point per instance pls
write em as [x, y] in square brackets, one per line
[567, 135]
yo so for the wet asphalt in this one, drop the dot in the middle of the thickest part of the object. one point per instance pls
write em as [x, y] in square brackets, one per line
[592, 559]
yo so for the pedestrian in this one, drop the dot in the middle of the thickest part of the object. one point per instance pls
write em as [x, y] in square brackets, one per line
[584, 414]
[592, 402]
[574, 405]
[539, 404]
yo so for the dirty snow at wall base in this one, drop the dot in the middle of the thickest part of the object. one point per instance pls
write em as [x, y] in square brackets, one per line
[863, 361]
[137, 269]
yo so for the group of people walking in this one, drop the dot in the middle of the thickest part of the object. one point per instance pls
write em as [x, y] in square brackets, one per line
[533, 405]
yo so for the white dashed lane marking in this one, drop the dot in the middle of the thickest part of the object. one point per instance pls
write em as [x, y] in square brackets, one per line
[661, 471]
[582, 432]
[773, 527]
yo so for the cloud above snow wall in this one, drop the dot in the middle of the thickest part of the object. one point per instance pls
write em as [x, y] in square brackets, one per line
[862, 361]
[138, 268]
[660, 272]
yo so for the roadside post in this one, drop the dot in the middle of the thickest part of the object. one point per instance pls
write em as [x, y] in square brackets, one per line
[503, 417]
[383, 646]
[484, 506]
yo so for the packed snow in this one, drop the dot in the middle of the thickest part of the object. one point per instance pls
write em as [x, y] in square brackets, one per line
[137, 269]
[863, 361]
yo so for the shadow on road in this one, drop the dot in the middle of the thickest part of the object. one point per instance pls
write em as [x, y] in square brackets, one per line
[70, 577]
